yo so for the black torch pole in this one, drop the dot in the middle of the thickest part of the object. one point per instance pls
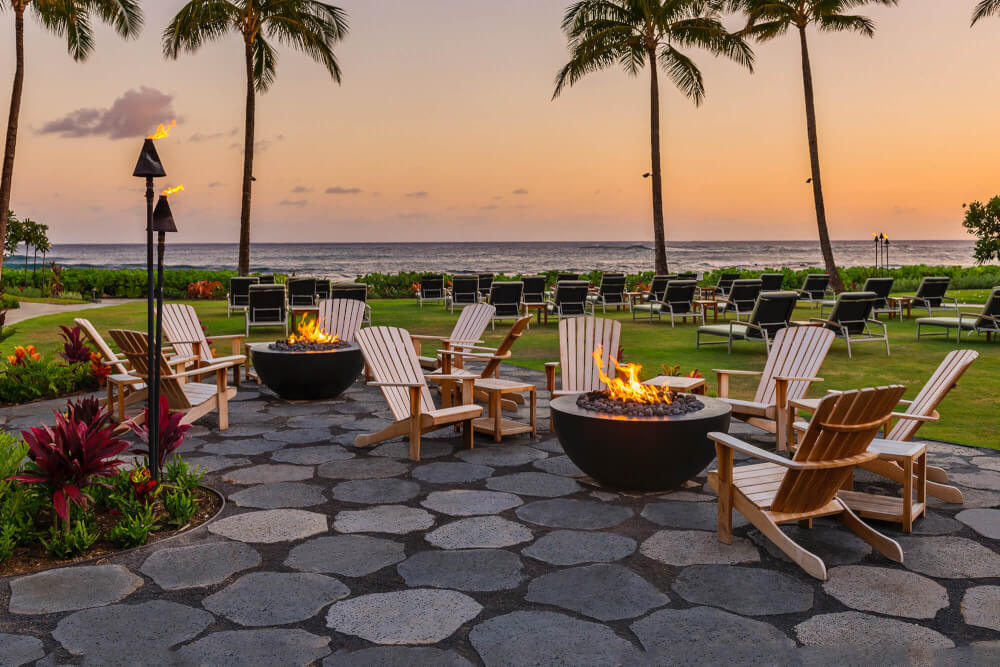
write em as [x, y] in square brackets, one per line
[153, 379]
[161, 238]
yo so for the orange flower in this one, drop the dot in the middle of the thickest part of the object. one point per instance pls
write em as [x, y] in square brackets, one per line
[100, 371]
[22, 355]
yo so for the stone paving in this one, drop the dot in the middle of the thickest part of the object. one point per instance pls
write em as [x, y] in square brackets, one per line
[502, 555]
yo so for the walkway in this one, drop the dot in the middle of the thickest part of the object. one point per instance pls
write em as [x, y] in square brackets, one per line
[28, 310]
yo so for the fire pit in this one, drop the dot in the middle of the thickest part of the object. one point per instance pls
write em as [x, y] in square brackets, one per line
[637, 437]
[309, 365]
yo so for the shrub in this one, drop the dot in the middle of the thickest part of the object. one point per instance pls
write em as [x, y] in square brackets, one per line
[75, 350]
[181, 475]
[8, 302]
[171, 431]
[20, 383]
[134, 528]
[68, 543]
[983, 221]
[180, 507]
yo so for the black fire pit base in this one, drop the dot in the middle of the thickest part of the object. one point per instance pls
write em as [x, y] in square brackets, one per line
[639, 453]
[312, 375]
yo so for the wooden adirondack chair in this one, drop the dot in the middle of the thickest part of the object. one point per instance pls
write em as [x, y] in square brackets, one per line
[806, 487]
[194, 399]
[124, 389]
[579, 338]
[468, 330]
[342, 317]
[182, 328]
[393, 363]
[795, 357]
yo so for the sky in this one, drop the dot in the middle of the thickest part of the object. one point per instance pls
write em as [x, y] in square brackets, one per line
[443, 129]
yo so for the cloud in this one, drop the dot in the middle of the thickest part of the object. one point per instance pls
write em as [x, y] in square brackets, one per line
[338, 190]
[135, 114]
[420, 194]
[198, 137]
[301, 189]
[216, 184]
[519, 191]
[298, 203]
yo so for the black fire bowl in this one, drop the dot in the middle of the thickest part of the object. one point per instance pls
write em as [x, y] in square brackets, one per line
[301, 375]
[639, 453]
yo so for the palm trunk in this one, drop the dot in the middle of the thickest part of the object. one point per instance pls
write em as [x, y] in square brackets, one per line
[654, 148]
[244, 260]
[817, 183]
[15, 112]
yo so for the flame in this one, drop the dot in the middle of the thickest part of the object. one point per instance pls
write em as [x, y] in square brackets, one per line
[163, 132]
[170, 191]
[626, 387]
[310, 332]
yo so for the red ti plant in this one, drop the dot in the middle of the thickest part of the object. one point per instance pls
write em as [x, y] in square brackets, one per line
[98, 369]
[68, 456]
[89, 411]
[171, 431]
[75, 351]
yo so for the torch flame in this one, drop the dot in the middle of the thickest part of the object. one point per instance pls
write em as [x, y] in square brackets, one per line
[163, 132]
[311, 332]
[626, 387]
[170, 191]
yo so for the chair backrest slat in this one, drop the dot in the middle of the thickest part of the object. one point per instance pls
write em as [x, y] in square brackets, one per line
[933, 392]
[135, 346]
[390, 357]
[579, 338]
[342, 317]
[795, 352]
[472, 323]
[180, 326]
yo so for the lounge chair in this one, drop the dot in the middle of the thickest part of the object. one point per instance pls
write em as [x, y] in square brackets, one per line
[267, 279]
[677, 300]
[124, 389]
[657, 287]
[772, 312]
[985, 321]
[579, 339]
[505, 297]
[342, 317]
[687, 275]
[793, 361]
[396, 371]
[431, 289]
[560, 277]
[534, 290]
[741, 298]
[771, 282]
[485, 283]
[468, 330]
[181, 389]
[464, 291]
[184, 331]
[570, 299]
[238, 297]
[323, 289]
[815, 288]
[355, 291]
[931, 295]
[881, 287]
[611, 292]
[301, 292]
[724, 283]
[851, 320]
[267, 307]
[805, 487]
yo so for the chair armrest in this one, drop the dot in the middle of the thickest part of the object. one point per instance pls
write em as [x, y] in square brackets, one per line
[462, 378]
[723, 371]
[821, 320]
[177, 361]
[427, 337]
[201, 371]
[228, 337]
[174, 341]
[785, 378]
[550, 375]
[729, 441]
[394, 384]
[916, 418]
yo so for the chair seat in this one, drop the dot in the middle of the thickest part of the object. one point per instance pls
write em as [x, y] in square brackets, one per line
[949, 322]
[455, 413]
[230, 359]
[759, 482]
[739, 332]
[197, 393]
[647, 307]
[750, 407]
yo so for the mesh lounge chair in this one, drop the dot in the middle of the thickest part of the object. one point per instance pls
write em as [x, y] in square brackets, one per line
[771, 282]
[238, 297]
[931, 295]
[267, 307]
[570, 299]
[505, 296]
[266, 279]
[431, 288]
[301, 292]
[815, 288]
[534, 289]
[881, 288]
[560, 277]
[724, 283]
[611, 292]
[851, 319]
[742, 297]
[485, 283]
[771, 313]
[657, 287]
[355, 292]
[464, 291]
[678, 300]
[322, 289]
[687, 275]
[985, 321]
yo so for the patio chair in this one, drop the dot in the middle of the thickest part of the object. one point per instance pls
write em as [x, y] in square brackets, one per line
[579, 339]
[322, 289]
[724, 283]
[771, 282]
[985, 321]
[560, 277]
[267, 307]
[931, 295]
[396, 371]
[771, 313]
[468, 330]
[464, 291]
[815, 288]
[678, 300]
[183, 330]
[431, 289]
[851, 320]
[124, 389]
[354, 291]
[534, 290]
[570, 299]
[182, 390]
[505, 297]
[267, 279]
[657, 287]
[301, 292]
[806, 487]
[341, 317]
[611, 292]
[485, 283]
[687, 275]
[741, 298]
[238, 297]
[793, 361]
[881, 287]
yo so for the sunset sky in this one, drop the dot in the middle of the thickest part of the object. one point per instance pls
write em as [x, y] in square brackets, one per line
[444, 129]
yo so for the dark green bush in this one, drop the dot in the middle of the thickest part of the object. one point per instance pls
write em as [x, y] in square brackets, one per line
[122, 283]
[43, 379]
[8, 302]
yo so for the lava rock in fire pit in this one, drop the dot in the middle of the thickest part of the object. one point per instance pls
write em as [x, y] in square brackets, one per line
[672, 405]
[307, 346]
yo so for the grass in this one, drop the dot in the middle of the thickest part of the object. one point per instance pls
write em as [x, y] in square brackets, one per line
[968, 415]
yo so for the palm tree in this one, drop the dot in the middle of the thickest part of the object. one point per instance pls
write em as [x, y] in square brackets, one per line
[767, 19]
[66, 18]
[309, 26]
[984, 9]
[632, 33]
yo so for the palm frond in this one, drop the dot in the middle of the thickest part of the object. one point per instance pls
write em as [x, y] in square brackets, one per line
[309, 26]
[199, 22]
[265, 64]
[125, 16]
[843, 23]
[985, 9]
[683, 72]
[70, 20]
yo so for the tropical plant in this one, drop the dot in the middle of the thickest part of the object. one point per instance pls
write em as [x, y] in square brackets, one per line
[75, 349]
[71, 542]
[984, 9]
[180, 507]
[66, 18]
[983, 221]
[171, 431]
[768, 19]
[43, 379]
[134, 528]
[88, 410]
[309, 26]
[637, 33]
[24, 356]
[204, 289]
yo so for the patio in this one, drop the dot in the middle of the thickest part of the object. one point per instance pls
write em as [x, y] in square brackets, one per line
[330, 554]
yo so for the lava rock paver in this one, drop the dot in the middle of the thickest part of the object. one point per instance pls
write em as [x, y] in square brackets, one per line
[502, 555]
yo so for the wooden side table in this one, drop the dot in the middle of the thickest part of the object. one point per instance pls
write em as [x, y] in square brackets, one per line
[900, 302]
[678, 383]
[539, 309]
[495, 389]
[912, 457]
[705, 304]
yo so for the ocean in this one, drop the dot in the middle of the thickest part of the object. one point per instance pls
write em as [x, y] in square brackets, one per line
[346, 260]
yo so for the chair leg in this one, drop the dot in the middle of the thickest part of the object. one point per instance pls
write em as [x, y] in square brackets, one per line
[893, 471]
[887, 547]
[808, 561]
[467, 433]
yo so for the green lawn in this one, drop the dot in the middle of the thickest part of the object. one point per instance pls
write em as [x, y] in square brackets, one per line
[969, 414]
